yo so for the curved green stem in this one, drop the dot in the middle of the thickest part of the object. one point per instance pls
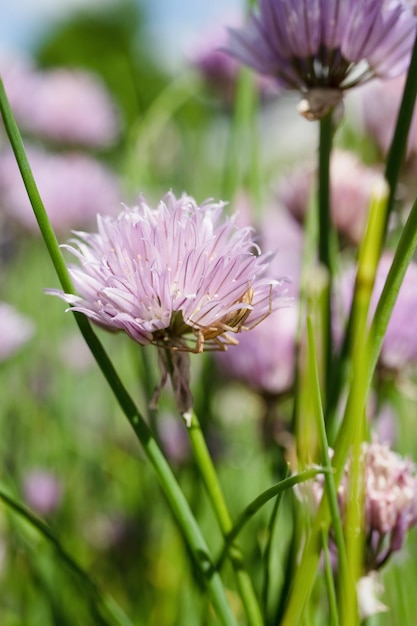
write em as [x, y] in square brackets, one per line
[264, 498]
[166, 478]
[402, 257]
[209, 476]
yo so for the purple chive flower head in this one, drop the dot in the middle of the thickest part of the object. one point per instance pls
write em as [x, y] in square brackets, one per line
[178, 276]
[322, 47]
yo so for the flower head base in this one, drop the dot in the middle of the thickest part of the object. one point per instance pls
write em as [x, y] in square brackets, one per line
[175, 276]
[322, 47]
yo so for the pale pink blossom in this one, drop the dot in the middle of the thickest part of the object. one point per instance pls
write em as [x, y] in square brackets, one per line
[180, 276]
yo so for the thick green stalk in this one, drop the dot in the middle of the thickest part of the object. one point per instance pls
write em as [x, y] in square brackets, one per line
[211, 482]
[325, 229]
[399, 142]
[325, 224]
[166, 478]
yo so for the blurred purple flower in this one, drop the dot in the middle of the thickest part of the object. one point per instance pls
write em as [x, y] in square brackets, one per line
[62, 105]
[42, 491]
[221, 71]
[15, 330]
[176, 276]
[75, 354]
[322, 47]
[390, 506]
[352, 186]
[73, 187]
[265, 357]
[380, 102]
[390, 501]
[175, 442]
[399, 349]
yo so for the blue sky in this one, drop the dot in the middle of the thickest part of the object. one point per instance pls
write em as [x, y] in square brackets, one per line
[175, 23]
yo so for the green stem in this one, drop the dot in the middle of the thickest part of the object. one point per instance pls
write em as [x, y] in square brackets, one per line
[325, 228]
[146, 132]
[330, 487]
[267, 553]
[209, 476]
[166, 478]
[262, 499]
[325, 149]
[399, 142]
[242, 141]
[331, 594]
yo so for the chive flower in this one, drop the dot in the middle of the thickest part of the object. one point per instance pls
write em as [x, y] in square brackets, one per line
[323, 47]
[178, 276]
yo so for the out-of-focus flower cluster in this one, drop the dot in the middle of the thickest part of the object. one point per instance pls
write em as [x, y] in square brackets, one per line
[64, 116]
[73, 187]
[352, 185]
[65, 106]
[390, 500]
